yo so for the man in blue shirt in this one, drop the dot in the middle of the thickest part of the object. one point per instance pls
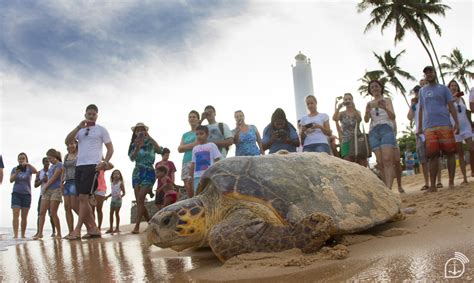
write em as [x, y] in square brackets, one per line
[436, 105]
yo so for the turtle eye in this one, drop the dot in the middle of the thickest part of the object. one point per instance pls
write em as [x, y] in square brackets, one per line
[166, 220]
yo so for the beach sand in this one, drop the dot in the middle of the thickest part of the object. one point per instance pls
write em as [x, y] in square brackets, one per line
[415, 248]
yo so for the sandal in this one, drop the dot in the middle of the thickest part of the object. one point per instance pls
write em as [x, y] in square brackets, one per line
[72, 237]
[439, 185]
[91, 236]
[424, 188]
[135, 232]
[401, 190]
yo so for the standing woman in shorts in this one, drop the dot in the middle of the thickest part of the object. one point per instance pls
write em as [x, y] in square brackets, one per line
[21, 195]
[68, 186]
[100, 192]
[465, 130]
[188, 141]
[379, 111]
[142, 150]
[52, 195]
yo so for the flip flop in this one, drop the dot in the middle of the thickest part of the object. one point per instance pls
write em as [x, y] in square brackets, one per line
[91, 236]
[135, 232]
[439, 185]
[72, 237]
[401, 190]
[424, 188]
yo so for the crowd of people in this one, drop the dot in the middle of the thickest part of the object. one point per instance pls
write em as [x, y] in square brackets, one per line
[439, 112]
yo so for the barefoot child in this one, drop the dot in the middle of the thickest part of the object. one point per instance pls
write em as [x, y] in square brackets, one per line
[165, 193]
[117, 193]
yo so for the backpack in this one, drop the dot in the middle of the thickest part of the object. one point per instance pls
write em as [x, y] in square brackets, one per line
[221, 128]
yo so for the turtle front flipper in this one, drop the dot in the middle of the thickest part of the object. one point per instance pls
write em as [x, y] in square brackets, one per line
[244, 232]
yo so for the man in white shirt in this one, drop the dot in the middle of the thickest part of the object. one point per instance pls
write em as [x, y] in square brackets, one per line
[90, 137]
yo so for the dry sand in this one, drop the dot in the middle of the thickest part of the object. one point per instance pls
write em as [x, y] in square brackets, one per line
[416, 248]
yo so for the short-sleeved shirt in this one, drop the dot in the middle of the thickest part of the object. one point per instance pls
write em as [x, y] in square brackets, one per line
[215, 134]
[22, 183]
[1, 162]
[53, 169]
[164, 181]
[188, 137]
[146, 154]
[434, 99]
[90, 144]
[314, 136]
[203, 157]
[279, 143]
[169, 165]
[247, 145]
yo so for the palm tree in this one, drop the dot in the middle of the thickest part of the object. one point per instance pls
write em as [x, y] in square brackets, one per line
[406, 15]
[458, 67]
[392, 72]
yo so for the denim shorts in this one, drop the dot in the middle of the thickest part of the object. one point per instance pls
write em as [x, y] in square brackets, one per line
[21, 200]
[196, 184]
[116, 203]
[382, 136]
[70, 188]
[317, 147]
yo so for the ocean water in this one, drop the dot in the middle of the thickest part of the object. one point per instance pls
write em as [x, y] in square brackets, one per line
[6, 237]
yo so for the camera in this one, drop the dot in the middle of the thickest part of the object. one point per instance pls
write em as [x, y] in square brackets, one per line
[22, 168]
[280, 133]
[307, 126]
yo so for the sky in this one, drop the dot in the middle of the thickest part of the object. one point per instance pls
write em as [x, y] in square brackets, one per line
[154, 61]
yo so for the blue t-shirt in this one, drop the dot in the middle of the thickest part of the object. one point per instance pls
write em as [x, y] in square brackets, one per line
[188, 137]
[22, 183]
[57, 183]
[279, 143]
[434, 100]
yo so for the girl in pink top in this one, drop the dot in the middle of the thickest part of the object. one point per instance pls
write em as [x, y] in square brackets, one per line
[100, 194]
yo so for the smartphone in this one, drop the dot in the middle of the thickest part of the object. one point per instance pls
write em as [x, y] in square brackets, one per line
[310, 125]
[459, 94]
[90, 123]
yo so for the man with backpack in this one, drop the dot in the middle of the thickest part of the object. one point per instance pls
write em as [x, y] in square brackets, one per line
[219, 133]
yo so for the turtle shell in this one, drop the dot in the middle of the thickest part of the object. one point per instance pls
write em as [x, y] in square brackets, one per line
[299, 184]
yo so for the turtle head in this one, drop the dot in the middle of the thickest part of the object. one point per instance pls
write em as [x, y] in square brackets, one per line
[178, 226]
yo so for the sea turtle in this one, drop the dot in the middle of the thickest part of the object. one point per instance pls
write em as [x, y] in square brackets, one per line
[273, 203]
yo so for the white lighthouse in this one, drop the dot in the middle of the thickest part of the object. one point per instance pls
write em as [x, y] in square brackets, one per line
[302, 83]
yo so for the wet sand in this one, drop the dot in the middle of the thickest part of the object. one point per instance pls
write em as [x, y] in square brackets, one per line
[415, 248]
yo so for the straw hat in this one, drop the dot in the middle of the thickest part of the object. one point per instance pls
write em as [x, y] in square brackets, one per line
[140, 124]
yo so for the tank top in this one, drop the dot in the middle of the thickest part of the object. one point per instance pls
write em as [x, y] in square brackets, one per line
[116, 192]
[69, 168]
[378, 116]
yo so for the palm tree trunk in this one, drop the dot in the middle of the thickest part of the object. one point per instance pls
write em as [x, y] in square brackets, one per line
[437, 60]
[406, 100]
[425, 47]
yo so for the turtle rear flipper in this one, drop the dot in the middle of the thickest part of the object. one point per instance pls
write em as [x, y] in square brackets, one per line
[244, 232]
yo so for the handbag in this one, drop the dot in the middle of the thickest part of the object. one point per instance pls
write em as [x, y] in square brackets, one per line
[359, 147]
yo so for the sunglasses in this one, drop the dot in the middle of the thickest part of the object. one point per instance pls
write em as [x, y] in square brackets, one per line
[87, 132]
[459, 108]
[376, 111]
